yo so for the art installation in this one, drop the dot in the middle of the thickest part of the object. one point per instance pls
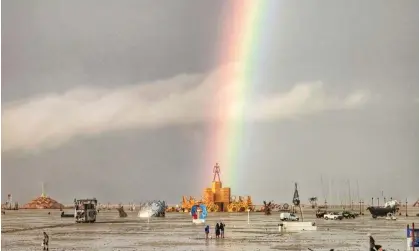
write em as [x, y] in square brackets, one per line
[122, 213]
[218, 198]
[389, 207]
[155, 208]
[267, 207]
[199, 213]
[43, 202]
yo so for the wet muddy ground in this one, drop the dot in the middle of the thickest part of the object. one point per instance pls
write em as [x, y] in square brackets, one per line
[22, 230]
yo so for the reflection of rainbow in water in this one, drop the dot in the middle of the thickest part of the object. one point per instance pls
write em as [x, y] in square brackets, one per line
[199, 214]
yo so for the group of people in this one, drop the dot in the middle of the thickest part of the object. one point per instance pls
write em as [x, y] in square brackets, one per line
[219, 230]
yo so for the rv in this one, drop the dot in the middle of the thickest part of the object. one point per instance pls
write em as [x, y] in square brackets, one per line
[85, 210]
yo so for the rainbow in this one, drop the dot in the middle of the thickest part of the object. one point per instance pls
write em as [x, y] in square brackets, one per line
[241, 34]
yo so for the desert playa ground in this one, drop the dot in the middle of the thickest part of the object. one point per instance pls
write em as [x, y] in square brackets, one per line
[22, 230]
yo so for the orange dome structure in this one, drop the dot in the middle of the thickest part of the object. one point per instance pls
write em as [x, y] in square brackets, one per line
[43, 202]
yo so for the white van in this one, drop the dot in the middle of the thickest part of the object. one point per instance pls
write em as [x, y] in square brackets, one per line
[288, 217]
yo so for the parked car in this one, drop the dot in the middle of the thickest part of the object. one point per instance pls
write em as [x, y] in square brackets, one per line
[348, 215]
[333, 216]
[288, 217]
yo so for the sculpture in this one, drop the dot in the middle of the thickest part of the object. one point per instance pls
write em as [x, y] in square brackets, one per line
[155, 208]
[216, 172]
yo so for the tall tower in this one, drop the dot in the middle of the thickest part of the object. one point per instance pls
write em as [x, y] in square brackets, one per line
[43, 190]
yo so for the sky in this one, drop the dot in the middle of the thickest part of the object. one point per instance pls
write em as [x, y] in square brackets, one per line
[114, 100]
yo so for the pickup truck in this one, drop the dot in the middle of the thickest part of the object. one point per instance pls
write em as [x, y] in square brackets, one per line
[333, 216]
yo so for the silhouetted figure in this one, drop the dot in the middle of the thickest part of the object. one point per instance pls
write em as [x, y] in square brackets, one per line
[373, 246]
[206, 231]
[222, 225]
[217, 231]
[45, 243]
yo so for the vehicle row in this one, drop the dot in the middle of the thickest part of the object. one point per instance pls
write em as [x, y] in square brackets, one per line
[336, 215]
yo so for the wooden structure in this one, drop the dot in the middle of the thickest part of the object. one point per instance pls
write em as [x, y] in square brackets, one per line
[218, 198]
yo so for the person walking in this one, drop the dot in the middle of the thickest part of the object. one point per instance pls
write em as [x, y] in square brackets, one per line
[222, 225]
[206, 232]
[217, 231]
[45, 242]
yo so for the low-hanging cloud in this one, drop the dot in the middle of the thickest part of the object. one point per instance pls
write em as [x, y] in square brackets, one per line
[53, 119]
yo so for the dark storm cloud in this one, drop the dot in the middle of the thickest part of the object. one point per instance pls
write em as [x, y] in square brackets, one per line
[69, 66]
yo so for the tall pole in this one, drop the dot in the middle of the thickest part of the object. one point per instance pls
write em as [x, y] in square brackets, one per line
[43, 190]
[362, 207]
[406, 207]
[329, 191]
[301, 212]
[378, 199]
[323, 190]
[413, 236]
[350, 196]
[372, 201]
[248, 216]
[362, 210]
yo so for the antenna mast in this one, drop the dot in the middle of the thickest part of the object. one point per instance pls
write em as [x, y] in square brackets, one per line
[43, 190]
[350, 196]
[329, 191]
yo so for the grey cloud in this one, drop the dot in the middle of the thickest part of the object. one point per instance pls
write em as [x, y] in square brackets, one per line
[53, 119]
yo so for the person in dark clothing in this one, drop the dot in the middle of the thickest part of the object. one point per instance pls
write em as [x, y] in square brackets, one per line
[222, 229]
[45, 243]
[206, 231]
[217, 231]
[373, 246]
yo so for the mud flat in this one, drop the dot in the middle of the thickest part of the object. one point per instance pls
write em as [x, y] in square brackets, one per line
[22, 230]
